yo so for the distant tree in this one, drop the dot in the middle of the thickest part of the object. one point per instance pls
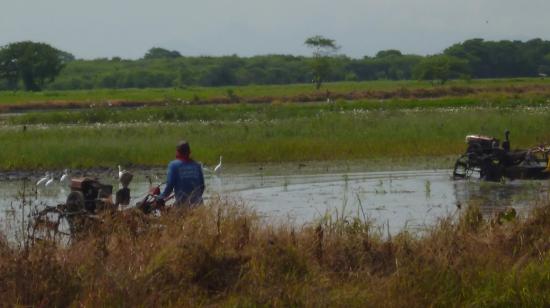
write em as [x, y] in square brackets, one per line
[223, 73]
[160, 53]
[391, 64]
[388, 53]
[351, 76]
[184, 76]
[497, 59]
[440, 68]
[66, 57]
[33, 63]
[8, 70]
[486, 59]
[545, 67]
[323, 48]
[474, 51]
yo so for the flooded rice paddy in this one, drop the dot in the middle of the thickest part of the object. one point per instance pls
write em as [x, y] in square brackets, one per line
[394, 200]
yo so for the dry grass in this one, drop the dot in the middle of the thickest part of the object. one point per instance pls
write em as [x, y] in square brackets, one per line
[222, 254]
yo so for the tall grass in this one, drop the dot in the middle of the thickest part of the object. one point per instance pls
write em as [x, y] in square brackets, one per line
[326, 136]
[222, 254]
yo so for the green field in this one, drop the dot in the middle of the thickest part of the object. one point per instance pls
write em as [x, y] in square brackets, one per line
[355, 134]
[266, 112]
[391, 129]
[274, 91]
[189, 93]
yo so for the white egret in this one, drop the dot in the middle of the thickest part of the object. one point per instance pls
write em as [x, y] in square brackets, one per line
[204, 168]
[43, 180]
[218, 168]
[65, 177]
[50, 181]
[120, 172]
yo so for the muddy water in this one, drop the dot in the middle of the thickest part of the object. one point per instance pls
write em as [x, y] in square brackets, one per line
[412, 200]
[397, 200]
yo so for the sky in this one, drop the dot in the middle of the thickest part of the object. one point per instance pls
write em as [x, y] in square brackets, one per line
[128, 28]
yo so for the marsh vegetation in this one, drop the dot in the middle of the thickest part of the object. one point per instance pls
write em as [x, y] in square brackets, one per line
[243, 133]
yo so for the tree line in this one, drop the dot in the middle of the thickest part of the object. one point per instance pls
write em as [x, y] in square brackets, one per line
[35, 66]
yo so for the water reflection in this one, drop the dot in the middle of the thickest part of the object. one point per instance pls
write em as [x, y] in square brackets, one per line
[491, 197]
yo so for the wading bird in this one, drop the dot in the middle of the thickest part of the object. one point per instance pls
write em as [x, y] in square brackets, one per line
[43, 180]
[120, 172]
[204, 168]
[65, 177]
[218, 168]
[50, 181]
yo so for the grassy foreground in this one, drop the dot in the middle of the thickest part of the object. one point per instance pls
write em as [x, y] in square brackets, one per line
[222, 254]
[337, 135]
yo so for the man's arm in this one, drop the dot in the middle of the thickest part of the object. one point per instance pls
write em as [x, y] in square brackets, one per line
[170, 182]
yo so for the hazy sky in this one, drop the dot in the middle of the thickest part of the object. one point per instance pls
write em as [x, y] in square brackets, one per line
[128, 28]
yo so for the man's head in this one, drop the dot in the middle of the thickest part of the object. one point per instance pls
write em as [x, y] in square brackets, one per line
[183, 148]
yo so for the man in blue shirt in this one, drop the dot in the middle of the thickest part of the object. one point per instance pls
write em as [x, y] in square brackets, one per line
[185, 178]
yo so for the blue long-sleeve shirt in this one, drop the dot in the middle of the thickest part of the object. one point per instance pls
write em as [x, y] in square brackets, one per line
[185, 178]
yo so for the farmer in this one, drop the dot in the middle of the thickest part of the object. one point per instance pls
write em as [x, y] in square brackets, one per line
[184, 177]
